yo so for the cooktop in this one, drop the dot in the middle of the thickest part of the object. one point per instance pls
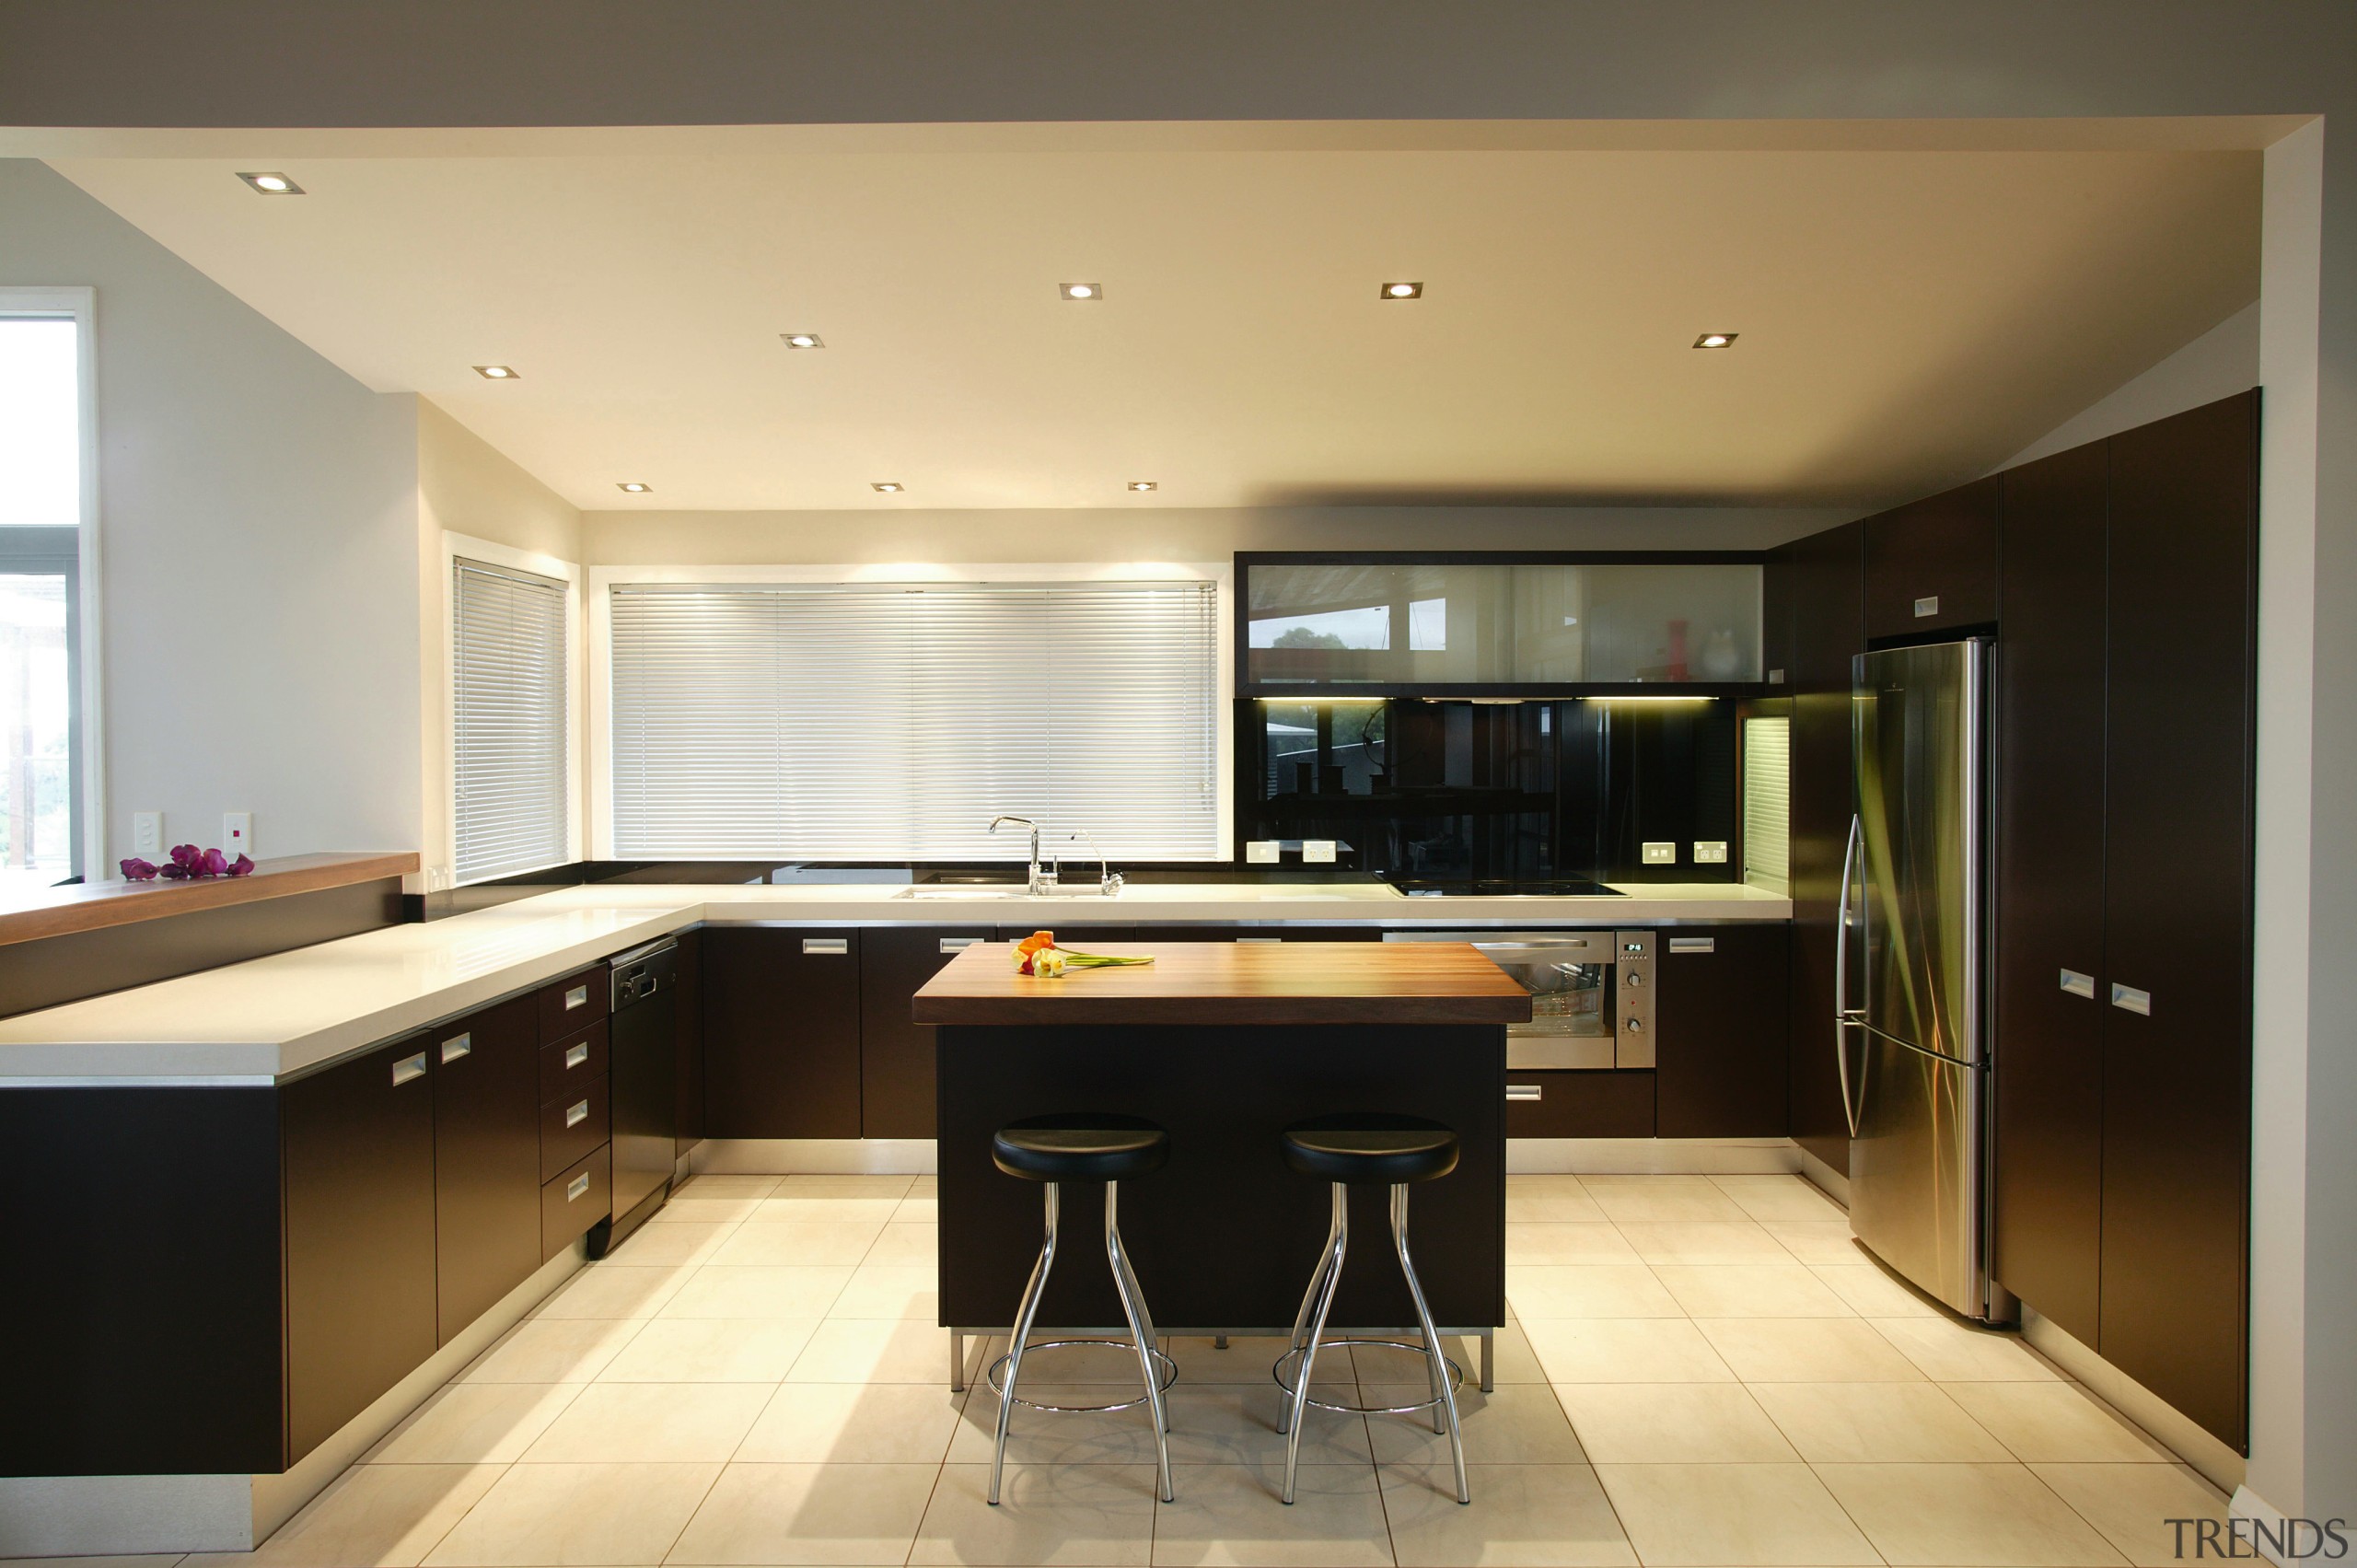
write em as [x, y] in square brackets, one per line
[1501, 887]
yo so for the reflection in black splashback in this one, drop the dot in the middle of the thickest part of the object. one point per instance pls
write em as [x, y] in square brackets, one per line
[1515, 792]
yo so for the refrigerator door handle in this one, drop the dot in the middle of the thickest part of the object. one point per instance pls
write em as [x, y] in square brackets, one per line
[1845, 1017]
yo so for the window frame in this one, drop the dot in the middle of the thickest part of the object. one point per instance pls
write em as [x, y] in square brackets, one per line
[602, 579]
[455, 546]
[85, 666]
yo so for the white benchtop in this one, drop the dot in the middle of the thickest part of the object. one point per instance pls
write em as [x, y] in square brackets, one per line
[258, 1021]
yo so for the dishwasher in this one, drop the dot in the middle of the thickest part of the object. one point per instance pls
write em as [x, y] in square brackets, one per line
[642, 1077]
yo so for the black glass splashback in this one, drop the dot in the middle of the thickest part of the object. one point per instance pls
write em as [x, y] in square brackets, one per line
[1523, 792]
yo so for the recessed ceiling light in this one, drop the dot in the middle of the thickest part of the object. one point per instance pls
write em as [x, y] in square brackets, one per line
[1141, 485]
[803, 340]
[272, 184]
[635, 488]
[1714, 339]
[888, 487]
[1080, 291]
[1403, 291]
[496, 372]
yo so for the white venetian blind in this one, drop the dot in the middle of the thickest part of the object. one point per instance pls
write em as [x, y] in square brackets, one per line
[891, 722]
[1767, 803]
[508, 721]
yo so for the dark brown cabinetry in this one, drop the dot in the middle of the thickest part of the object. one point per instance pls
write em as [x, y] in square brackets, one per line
[781, 1016]
[1722, 1026]
[360, 1277]
[687, 1051]
[486, 1160]
[896, 1055]
[1931, 565]
[1551, 1103]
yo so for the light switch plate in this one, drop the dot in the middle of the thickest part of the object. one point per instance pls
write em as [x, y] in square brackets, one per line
[237, 833]
[147, 835]
[1710, 852]
[1261, 852]
[1317, 851]
[1661, 855]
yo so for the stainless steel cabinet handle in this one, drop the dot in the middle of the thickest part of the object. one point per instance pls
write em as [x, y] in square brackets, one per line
[458, 1046]
[2127, 999]
[960, 944]
[1930, 605]
[575, 1055]
[2079, 984]
[1260, 939]
[409, 1067]
[576, 1113]
[578, 1188]
[1693, 944]
[825, 944]
[576, 997]
[1525, 1091]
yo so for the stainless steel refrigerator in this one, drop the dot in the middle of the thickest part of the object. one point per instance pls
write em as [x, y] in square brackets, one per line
[1911, 1032]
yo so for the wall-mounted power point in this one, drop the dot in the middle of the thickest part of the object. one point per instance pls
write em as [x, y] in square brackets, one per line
[237, 833]
[1661, 855]
[147, 835]
[1261, 852]
[1710, 852]
[1317, 851]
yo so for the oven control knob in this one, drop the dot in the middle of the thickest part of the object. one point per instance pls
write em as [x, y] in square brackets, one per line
[1634, 1026]
[1633, 980]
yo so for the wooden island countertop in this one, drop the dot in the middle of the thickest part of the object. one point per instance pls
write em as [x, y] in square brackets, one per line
[1233, 982]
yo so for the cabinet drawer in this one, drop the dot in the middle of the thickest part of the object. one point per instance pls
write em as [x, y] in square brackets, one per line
[575, 1199]
[573, 1061]
[1560, 1104]
[571, 1126]
[573, 1003]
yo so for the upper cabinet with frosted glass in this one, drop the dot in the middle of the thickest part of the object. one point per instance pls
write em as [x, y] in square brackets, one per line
[1523, 625]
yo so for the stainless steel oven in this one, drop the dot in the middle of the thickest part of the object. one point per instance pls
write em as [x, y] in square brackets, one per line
[1591, 994]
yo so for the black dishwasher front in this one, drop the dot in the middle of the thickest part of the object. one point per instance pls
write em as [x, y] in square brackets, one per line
[641, 1078]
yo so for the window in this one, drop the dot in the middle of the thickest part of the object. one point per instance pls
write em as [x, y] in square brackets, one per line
[1767, 803]
[509, 735]
[43, 812]
[892, 722]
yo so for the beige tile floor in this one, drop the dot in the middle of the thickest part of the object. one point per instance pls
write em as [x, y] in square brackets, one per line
[1701, 1371]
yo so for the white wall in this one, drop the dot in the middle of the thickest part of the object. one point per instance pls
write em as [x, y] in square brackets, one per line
[2219, 364]
[258, 536]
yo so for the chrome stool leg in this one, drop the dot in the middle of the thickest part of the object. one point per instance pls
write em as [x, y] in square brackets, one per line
[1030, 1310]
[1435, 1365]
[1134, 1308]
[1338, 1243]
[1327, 1262]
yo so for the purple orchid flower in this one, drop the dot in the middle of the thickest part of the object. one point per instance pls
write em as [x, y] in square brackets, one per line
[243, 867]
[212, 863]
[138, 870]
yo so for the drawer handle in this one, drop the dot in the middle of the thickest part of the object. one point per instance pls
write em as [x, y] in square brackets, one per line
[460, 1045]
[409, 1067]
[2078, 984]
[575, 1055]
[1260, 939]
[576, 997]
[1525, 1091]
[1693, 944]
[578, 1188]
[2127, 999]
[958, 943]
[576, 1113]
[1927, 606]
[825, 944]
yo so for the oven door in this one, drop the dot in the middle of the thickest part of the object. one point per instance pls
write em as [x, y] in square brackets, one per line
[1571, 1012]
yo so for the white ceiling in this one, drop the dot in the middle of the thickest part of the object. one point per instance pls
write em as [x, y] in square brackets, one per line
[1908, 317]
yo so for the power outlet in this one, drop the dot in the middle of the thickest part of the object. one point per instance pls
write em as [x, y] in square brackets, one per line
[1710, 852]
[147, 835]
[237, 833]
[1317, 851]
[1661, 855]
[1261, 852]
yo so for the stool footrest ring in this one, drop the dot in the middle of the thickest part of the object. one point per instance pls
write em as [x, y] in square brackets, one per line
[996, 1377]
[1282, 1369]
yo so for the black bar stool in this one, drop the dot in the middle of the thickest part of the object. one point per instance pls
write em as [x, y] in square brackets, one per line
[1351, 1151]
[1054, 1150]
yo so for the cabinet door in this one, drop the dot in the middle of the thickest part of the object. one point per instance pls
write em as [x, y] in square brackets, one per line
[2049, 876]
[360, 1308]
[895, 1055]
[486, 1159]
[1931, 565]
[687, 1051]
[1828, 630]
[2177, 908]
[781, 1008]
[1720, 1019]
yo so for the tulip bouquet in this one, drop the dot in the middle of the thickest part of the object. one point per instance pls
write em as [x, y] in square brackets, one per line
[1038, 955]
[188, 862]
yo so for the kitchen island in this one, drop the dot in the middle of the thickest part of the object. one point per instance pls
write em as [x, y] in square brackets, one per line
[1223, 1045]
